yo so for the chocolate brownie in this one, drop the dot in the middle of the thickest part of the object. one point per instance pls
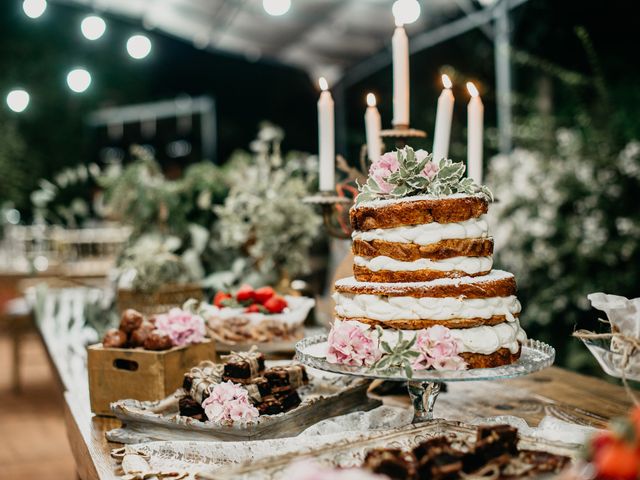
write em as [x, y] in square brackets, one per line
[393, 462]
[190, 408]
[243, 365]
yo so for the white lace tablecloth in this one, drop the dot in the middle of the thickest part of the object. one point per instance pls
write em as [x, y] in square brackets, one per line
[188, 458]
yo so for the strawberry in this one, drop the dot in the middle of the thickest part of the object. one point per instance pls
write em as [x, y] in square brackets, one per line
[619, 461]
[254, 308]
[275, 304]
[245, 293]
[263, 294]
[219, 298]
[602, 440]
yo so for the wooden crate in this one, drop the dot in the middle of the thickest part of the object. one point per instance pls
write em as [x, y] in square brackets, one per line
[158, 301]
[121, 373]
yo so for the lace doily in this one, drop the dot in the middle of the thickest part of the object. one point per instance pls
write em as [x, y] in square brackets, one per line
[190, 457]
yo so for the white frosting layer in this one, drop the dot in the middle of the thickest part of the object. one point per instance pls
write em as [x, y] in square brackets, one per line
[469, 265]
[483, 340]
[428, 233]
[384, 308]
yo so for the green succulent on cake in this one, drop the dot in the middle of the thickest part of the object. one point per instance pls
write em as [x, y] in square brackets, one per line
[408, 173]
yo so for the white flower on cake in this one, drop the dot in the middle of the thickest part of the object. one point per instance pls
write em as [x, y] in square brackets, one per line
[408, 173]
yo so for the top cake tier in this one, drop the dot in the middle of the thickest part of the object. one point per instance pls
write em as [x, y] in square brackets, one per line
[421, 238]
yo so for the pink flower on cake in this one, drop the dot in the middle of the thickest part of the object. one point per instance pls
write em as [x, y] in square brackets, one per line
[382, 168]
[352, 343]
[430, 170]
[229, 402]
[183, 327]
[438, 349]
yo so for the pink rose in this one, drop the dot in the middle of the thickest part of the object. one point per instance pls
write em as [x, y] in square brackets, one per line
[184, 328]
[229, 402]
[438, 349]
[382, 168]
[352, 343]
[430, 170]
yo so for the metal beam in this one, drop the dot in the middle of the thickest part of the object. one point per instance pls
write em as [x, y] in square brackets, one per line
[426, 40]
[502, 55]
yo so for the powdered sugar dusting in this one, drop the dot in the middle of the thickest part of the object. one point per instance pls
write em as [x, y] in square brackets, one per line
[381, 202]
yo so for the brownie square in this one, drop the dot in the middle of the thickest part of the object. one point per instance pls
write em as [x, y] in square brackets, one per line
[293, 376]
[270, 405]
[188, 407]
[243, 365]
[394, 463]
[425, 447]
[440, 464]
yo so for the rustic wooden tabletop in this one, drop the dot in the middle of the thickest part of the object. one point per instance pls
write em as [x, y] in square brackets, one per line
[563, 394]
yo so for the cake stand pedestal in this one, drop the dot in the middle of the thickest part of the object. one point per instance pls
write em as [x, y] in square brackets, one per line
[424, 385]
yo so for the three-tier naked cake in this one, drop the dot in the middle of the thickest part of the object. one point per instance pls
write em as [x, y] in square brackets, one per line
[423, 258]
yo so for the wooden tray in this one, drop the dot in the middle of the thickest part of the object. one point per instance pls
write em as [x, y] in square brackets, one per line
[327, 395]
[351, 453]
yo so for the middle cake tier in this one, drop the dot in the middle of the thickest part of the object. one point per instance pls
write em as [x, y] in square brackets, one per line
[421, 239]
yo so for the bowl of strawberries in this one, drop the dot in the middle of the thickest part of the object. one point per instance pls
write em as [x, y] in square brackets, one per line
[256, 316]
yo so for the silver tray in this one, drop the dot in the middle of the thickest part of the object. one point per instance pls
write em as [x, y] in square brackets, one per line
[351, 453]
[327, 395]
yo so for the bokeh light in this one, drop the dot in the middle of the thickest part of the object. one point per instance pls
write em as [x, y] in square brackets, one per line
[78, 80]
[138, 46]
[276, 8]
[18, 100]
[34, 8]
[93, 27]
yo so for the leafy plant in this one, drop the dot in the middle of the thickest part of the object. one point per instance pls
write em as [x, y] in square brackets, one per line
[417, 174]
[399, 356]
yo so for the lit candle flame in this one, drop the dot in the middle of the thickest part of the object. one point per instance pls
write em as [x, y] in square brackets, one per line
[324, 85]
[473, 91]
[371, 99]
[446, 81]
[399, 23]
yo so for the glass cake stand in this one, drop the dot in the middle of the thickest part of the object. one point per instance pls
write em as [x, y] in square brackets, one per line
[425, 385]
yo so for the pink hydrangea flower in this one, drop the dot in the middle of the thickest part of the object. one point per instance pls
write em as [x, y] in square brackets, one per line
[351, 344]
[430, 170]
[229, 402]
[183, 327]
[382, 168]
[438, 349]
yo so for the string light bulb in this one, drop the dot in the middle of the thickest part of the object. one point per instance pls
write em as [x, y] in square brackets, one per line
[34, 8]
[93, 27]
[78, 80]
[405, 11]
[276, 8]
[138, 46]
[18, 100]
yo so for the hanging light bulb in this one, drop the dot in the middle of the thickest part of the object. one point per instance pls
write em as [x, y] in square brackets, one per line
[138, 46]
[78, 80]
[276, 8]
[34, 8]
[93, 27]
[406, 11]
[18, 100]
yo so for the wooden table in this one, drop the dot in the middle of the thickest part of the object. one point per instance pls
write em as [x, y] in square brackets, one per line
[555, 391]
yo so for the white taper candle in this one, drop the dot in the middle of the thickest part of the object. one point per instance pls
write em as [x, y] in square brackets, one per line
[326, 138]
[444, 115]
[400, 47]
[373, 126]
[475, 128]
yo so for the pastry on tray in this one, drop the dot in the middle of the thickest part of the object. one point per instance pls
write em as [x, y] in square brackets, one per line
[241, 388]
[423, 272]
[260, 316]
